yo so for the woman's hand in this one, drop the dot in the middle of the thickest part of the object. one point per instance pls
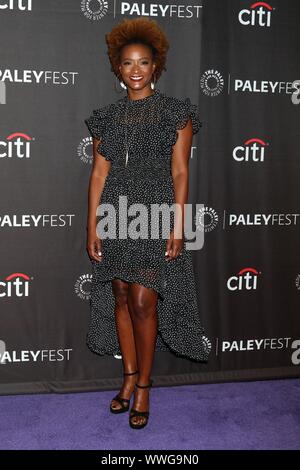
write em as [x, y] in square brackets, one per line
[173, 247]
[94, 245]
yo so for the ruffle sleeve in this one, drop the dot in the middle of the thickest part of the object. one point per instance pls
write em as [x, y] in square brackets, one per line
[176, 117]
[97, 124]
[188, 110]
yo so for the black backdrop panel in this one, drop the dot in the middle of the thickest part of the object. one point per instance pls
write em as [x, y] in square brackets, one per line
[237, 60]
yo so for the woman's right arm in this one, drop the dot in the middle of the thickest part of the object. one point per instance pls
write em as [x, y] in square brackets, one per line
[99, 172]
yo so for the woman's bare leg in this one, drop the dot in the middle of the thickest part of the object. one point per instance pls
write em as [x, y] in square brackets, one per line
[126, 338]
[142, 303]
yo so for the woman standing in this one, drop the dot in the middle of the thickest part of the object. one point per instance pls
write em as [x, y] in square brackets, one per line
[143, 295]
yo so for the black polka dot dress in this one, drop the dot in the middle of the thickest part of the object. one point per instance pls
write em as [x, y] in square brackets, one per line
[143, 178]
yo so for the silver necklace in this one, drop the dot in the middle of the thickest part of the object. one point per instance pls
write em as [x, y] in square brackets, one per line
[126, 125]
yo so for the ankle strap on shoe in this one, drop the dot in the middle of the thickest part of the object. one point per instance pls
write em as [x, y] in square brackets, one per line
[130, 373]
[145, 386]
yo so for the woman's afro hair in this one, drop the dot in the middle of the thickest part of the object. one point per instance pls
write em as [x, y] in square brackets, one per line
[139, 30]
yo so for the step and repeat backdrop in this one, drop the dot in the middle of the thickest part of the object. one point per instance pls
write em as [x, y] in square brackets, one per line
[237, 60]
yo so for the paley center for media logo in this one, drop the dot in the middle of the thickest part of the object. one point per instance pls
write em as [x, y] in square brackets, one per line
[85, 150]
[83, 285]
[206, 219]
[213, 83]
[96, 10]
[258, 14]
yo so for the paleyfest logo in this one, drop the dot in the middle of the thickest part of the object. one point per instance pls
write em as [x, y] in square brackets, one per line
[8, 357]
[263, 344]
[259, 14]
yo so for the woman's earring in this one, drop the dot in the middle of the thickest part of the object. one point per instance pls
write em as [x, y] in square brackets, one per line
[121, 83]
[152, 84]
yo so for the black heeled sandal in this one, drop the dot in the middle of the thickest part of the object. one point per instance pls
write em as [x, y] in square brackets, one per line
[144, 414]
[124, 402]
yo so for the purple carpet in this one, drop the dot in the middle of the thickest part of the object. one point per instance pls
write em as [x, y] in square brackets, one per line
[238, 415]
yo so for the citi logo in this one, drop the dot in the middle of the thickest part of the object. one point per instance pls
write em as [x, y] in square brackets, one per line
[246, 279]
[16, 145]
[260, 14]
[253, 150]
[16, 5]
[15, 285]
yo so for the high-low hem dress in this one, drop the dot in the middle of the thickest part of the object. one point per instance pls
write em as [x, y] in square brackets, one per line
[152, 124]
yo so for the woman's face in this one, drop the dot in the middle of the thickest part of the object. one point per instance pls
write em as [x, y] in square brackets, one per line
[136, 66]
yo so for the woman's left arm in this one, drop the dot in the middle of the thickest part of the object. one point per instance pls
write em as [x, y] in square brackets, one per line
[180, 175]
